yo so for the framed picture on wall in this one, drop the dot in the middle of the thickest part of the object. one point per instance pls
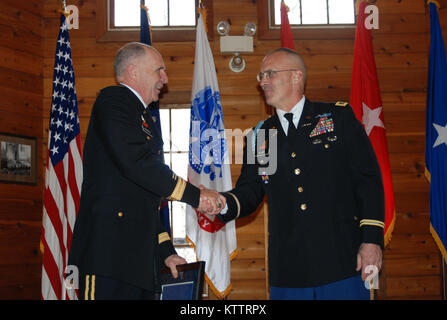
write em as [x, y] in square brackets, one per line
[18, 159]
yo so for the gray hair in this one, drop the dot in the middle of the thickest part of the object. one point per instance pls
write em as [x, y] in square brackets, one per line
[294, 57]
[126, 55]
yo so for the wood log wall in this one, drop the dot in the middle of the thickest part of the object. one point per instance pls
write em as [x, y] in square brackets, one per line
[21, 91]
[28, 35]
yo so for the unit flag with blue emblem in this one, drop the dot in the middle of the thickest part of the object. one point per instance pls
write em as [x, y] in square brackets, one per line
[209, 166]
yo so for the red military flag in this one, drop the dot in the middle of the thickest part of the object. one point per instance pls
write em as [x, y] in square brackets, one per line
[63, 174]
[367, 105]
[286, 31]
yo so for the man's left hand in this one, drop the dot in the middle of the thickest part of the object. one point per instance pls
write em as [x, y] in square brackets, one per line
[172, 261]
[369, 254]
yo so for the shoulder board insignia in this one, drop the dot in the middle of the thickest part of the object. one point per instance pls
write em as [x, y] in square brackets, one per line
[341, 104]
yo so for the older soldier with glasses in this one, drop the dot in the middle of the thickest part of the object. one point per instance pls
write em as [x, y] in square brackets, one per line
[325, 200]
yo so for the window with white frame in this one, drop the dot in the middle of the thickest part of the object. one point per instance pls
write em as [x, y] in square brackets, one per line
[175, 123]
[316, 12]
[163, 13]
[171, 20]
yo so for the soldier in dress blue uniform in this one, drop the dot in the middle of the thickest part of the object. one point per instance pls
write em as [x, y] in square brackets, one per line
[119, 244]
[325, 198]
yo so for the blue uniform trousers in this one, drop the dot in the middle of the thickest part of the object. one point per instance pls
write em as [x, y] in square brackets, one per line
[347, 289]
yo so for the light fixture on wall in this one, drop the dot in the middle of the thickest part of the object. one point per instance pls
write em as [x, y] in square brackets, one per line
[236, 44]
[223, 28]
[237, 63]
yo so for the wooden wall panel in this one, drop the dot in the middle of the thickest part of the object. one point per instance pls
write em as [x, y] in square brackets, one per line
[21, 89]
[412, 263]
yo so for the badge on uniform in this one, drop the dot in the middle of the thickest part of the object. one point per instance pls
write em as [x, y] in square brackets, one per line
[324, 125]
[265, 178]
[145, 127]
[263, 149]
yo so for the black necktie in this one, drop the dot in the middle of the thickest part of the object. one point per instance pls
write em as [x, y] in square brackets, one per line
[291, 129]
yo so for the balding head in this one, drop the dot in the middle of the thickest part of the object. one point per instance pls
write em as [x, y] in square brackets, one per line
[283, 78]
[292, 57]
[141, 67]
[127, 55]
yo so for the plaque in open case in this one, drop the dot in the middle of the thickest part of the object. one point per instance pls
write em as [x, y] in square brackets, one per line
[187, 286]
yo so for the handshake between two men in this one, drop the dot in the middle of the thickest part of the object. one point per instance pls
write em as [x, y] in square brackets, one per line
[211, 201]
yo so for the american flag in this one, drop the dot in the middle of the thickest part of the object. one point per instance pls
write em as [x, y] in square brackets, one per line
[63, 176]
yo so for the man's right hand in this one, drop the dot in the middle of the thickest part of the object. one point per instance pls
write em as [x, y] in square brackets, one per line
[211, 202]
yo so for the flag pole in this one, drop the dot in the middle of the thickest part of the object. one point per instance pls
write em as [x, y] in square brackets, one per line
[64, 289]
[443, 278]
[428, 175]
[64, 9]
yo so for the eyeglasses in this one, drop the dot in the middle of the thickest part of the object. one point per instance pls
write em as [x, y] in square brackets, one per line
[269, 74]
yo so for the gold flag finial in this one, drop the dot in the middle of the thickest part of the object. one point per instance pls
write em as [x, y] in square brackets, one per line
[148, 19]
[435, 2]
[64, 9]
[142, 6]
[203, 12]
[285, 6]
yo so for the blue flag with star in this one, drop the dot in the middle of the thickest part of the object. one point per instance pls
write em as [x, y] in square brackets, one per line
[145, 37]
[436, 132]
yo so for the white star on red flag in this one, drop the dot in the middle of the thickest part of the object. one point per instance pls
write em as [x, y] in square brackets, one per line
[371, 118]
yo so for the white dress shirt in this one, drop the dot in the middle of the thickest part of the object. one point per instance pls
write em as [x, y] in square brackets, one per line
[297, 110]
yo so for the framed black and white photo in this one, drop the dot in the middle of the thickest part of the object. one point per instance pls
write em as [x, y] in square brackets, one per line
[18, 159]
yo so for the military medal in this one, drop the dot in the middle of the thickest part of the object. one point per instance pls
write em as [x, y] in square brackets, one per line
[265, 178]
[324, 125]
[144, 127]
